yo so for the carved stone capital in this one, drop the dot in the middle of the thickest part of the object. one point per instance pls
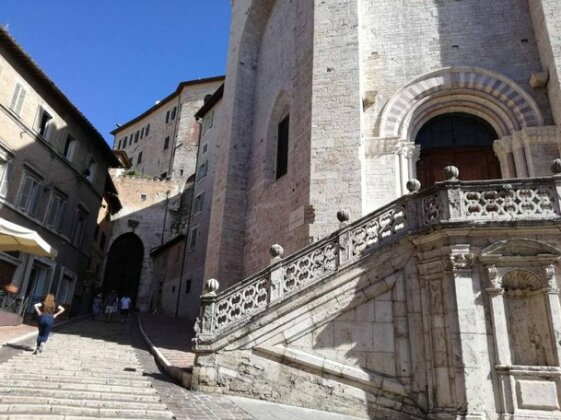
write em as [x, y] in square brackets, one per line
[551, 281]
[494, 278]
[461, 258]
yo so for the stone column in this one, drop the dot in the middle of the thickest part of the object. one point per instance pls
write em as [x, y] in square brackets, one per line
[500, 329]
[471, 334]
[554, 310]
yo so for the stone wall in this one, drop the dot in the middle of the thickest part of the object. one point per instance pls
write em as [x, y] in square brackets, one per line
[400, 44]
[147, 205]
[547, 28]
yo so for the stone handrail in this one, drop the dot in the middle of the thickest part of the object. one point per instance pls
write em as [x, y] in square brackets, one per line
[447, 202]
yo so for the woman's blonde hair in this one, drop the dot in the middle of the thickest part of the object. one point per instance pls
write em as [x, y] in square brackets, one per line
[49, 305]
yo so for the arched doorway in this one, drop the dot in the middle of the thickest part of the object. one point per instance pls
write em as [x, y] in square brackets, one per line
[458, 139]
[124, 262]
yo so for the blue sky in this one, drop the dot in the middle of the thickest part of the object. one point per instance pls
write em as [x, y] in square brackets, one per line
[115, 58]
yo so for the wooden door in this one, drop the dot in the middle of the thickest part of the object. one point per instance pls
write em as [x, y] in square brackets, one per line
[474, 163]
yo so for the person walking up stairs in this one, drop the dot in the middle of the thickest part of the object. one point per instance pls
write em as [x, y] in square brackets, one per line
[90, 371]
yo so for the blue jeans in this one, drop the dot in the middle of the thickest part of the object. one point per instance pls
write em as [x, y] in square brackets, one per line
[46, 322]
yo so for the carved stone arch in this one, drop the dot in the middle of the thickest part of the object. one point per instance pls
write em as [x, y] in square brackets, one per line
[489, 95]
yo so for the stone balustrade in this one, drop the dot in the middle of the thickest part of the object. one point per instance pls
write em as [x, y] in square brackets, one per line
[450, 202]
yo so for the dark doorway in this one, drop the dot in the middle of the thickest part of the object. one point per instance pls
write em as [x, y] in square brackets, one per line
[458, 139]
[124, 263]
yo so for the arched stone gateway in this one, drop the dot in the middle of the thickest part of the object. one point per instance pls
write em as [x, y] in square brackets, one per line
[124, 262]
[522, 146]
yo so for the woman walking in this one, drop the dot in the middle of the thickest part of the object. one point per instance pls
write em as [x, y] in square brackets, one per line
[47, 314]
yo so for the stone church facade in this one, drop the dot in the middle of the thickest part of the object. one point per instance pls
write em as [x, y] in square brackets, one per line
[439, 302]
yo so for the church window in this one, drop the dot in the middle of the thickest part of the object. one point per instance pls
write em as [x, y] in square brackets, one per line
[166, 143]
[173, 112]
[194, 234]
[147, 130]
[139, 159]
[282, 147]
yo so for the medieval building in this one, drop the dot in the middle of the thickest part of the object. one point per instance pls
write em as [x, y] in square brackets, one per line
[145, 255]
[53, 177]
[433, 294]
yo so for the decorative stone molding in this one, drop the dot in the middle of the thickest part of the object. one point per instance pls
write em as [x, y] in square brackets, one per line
[496, 98]
[550, 279]
[494, 279]
[460, 257]
[539, 79]
[413, 185]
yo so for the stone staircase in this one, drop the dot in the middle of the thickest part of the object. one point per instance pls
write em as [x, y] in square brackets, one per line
[79, 376]
[388, 317]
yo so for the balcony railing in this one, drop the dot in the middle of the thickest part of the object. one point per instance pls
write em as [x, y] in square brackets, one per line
[450, 202]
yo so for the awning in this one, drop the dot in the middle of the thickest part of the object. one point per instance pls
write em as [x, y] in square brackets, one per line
[17, 238]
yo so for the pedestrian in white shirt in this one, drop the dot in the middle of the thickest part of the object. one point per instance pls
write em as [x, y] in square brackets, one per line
[125, 304]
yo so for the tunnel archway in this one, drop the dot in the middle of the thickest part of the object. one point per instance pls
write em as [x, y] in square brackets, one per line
[124, 264]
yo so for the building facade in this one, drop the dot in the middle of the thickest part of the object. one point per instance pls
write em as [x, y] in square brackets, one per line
[53, 166]
[157, 192]
[411, 304]
[209, 117]
[354, 102]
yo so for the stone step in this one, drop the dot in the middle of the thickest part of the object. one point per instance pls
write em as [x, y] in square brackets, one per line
[48, 401]
[132, 375]
[68, 393]
[85, 379]
[50, 417]
[41, 357]
[84, 411]
[134, 370]
[78, 387]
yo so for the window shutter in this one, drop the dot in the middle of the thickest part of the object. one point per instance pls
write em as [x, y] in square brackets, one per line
[60, 214]
[37, 196]
[20, 100]
[6, 176]
[25, 194]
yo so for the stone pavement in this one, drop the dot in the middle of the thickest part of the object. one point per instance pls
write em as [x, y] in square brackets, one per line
[93, 369]
[12, 332]
[172, 336]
